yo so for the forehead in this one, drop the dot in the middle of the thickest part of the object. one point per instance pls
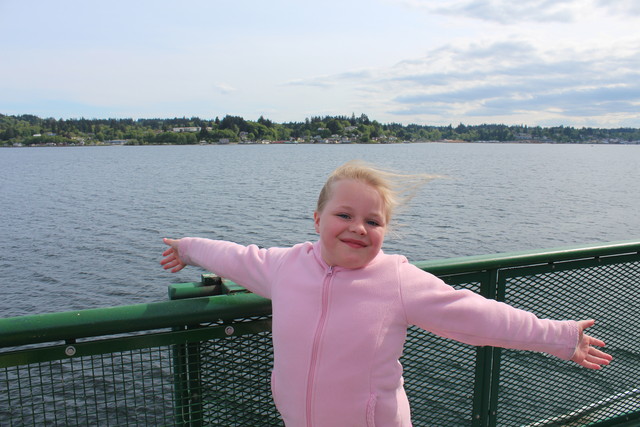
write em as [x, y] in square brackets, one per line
[353, 193]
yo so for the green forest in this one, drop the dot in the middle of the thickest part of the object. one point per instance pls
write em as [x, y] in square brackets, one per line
[30, 130]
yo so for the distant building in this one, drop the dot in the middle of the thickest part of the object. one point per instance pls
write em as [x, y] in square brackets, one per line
[187, 129]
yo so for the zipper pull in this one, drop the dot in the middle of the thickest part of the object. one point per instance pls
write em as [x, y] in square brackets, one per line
[330, 271]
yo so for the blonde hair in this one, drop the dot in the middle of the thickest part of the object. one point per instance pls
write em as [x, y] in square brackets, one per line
[394, 188]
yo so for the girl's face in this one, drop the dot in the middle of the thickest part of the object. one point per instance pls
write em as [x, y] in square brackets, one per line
[351, 225]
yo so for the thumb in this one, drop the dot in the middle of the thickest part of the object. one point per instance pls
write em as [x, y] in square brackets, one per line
[170, 242]
[584, 324]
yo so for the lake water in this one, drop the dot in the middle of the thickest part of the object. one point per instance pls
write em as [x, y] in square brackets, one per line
[81, 227]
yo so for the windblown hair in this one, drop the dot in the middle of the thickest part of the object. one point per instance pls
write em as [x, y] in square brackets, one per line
[396, 189]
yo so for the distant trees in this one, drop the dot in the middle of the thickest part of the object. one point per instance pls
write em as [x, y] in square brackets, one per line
[28, 129]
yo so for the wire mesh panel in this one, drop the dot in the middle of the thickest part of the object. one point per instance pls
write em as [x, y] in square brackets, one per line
[236, 378]
[439, 379]
[115, 389]
[439, 373]
[536, 389]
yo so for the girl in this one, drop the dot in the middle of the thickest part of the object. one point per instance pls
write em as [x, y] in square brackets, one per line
[341, 308]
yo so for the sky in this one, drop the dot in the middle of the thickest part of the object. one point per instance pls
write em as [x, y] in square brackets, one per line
[431, 62]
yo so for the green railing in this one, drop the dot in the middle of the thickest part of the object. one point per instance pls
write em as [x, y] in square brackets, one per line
[204, 357]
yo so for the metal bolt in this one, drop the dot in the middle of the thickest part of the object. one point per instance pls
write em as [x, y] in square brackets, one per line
[229, 330]
[70, 350]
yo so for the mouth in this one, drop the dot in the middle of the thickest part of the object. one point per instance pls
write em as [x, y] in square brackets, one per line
[356, 244]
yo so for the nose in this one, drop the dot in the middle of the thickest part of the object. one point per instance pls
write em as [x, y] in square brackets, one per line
[358, 228]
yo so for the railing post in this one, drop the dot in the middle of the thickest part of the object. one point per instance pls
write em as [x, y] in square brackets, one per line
[187, 363]
[187, 385]
[195, 384]
[485, 394]
[482, 391]
[180, 382]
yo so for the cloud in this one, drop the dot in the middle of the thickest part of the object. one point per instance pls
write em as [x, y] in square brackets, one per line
[512, 12]
[503, 11]
[621, 7]
[321, 82]
[329, 81]
[505, 80]
[562, 81]
[577, 102]
[224, 88]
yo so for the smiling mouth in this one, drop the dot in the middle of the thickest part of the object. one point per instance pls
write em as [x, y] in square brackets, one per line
[356, 244]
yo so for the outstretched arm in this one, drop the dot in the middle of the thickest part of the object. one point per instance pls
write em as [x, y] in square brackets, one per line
[585, 354]
[172, 256]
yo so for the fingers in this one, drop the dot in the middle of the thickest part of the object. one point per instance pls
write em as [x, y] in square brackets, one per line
[594, 362]
[597, 361]
[178, 267]
[590, 365]
[171, 258]
[172, 263]
[167, 260]
[167, 252]
[595, 355]
[594, 341]
[598, 356]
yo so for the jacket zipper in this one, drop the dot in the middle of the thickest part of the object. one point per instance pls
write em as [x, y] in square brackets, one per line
[316, 342]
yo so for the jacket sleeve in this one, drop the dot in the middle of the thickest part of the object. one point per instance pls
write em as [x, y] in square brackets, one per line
[248, 266]
[470, 318]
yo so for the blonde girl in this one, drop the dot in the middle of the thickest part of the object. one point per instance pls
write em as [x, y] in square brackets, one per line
[341, 307]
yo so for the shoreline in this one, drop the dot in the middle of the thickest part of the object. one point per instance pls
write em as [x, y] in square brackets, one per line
[518, 142]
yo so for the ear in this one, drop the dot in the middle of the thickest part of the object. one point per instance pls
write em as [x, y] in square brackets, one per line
[316, 221]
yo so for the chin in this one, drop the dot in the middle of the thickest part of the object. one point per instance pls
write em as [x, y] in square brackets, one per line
[355, 264]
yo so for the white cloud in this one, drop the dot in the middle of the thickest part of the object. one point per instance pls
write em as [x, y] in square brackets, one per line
[622, 7]
[505, 81]
[514, 12]
[224, 88]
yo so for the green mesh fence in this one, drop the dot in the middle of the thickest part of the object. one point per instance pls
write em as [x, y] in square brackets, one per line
[536, 387]
[236, 376]
[439, 375]
[198, 372]
[125, 388]
[226, 380]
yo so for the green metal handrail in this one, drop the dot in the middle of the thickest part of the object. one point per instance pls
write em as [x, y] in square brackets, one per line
[514, 259]
[71, 325]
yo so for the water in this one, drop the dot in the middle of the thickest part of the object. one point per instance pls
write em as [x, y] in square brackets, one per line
[81, 227]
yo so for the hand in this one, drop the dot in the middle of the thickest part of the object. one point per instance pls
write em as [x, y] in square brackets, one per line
[172, 256]
[586, 355]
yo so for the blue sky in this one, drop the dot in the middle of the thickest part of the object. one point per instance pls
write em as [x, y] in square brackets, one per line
[534, 62]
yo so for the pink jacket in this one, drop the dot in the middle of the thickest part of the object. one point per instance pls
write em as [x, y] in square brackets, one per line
[338, 333]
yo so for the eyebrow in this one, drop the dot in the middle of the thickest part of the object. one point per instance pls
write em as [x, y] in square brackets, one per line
[369, 215]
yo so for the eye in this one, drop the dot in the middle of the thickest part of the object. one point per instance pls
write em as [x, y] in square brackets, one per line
[343, 216]
[373, 223]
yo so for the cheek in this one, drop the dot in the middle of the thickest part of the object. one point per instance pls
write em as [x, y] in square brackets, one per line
[379, 238]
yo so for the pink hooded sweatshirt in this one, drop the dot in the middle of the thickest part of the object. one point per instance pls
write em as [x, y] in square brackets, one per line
[338, 333]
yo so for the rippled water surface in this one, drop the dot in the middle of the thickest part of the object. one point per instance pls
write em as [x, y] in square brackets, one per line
[81, 227]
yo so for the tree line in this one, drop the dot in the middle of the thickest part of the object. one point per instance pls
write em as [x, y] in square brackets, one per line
[32, 130]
